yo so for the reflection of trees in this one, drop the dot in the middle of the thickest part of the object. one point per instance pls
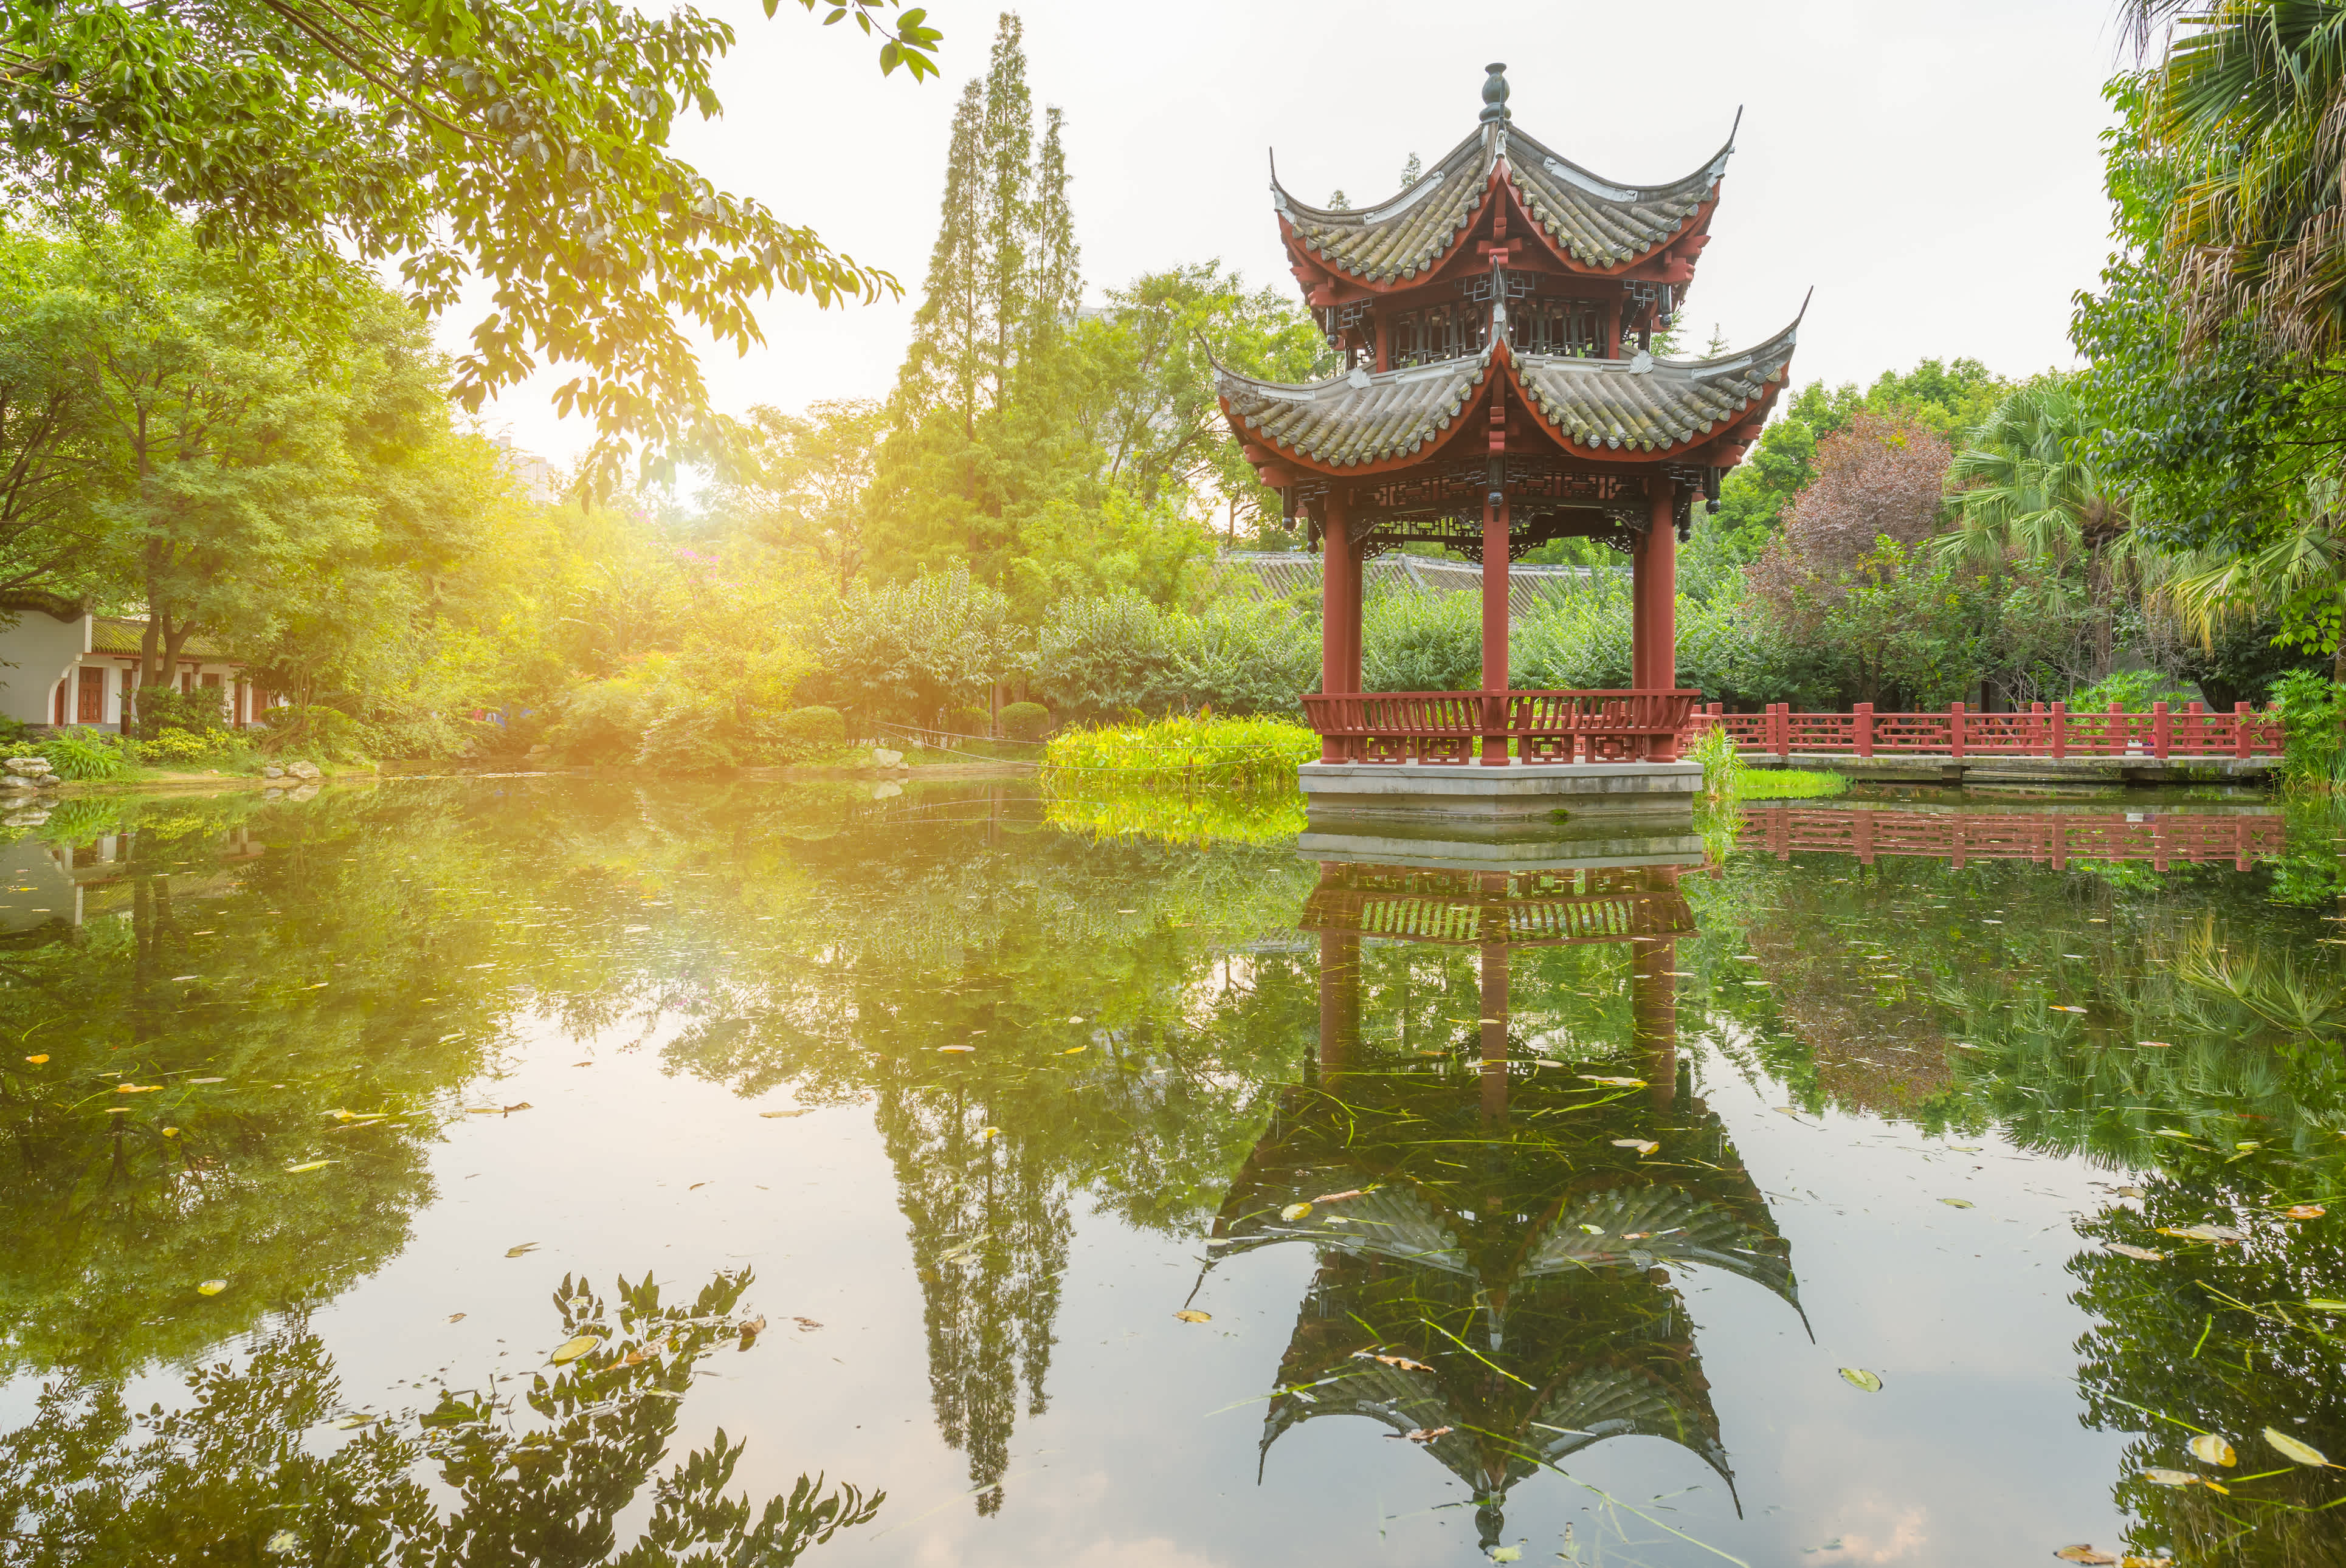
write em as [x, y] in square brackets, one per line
[240, 1473]
[2217, 1338]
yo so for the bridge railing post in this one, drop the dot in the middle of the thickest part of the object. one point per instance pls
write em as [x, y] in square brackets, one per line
[2162, 730]
[1779, 728]
[1865, 727]
[2059, 723]
[2243, 730]
[1955, 729]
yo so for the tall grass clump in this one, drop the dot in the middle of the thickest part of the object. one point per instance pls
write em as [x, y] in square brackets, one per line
[85, 754]
[2313, 748]
[1789, 784]
[1183, 752]
[1416, 641]
[1722, 764]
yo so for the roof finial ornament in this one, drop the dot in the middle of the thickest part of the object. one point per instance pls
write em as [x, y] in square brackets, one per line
[1494, 94]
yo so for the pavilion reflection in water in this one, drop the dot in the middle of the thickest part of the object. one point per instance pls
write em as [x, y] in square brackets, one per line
[1494, 1279]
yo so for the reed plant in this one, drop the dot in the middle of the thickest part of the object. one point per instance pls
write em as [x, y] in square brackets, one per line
[1185, 752]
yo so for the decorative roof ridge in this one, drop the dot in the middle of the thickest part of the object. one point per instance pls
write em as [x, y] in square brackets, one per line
[1285, 201]
[1359, 380]
[1707, 174]
[1725, 364]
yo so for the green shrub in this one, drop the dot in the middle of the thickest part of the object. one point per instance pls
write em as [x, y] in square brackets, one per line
[2134, 690]
[971, 721]
[1190, 753]
[1789, 784]
[82, 754]
[1025, 722]
[1414, 641]
[162, 708]
[167, 747]
[1722, 764]
[805, 732]
[1100, 658]
[2313, 751]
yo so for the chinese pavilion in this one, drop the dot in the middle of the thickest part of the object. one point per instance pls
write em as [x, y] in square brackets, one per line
[1496, 320]
[1502, 1228]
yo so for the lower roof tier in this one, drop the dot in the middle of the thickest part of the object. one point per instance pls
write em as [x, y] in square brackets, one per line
[1637, 410]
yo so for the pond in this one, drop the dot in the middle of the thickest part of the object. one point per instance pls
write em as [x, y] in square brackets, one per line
[566, 1171]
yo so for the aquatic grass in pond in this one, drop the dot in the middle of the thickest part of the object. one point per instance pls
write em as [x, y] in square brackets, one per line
[1264, 816]
[1183, 752]
[1788, 784]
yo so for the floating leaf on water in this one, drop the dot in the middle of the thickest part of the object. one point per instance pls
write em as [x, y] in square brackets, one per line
[170, 1132]
[956, 1047]
[1191, 1315]
[517, 1251]
[1078, 1019]
[751, 1331]
[207, 1080]
[1616, 1083]
[2304, 1211]
[2205, 1233]
[1965, 1148]
[1958, 1203]
[2083, 1552]
[2168, 1133]
[455, 1317]
[776, 1116]
[284, 1541]
[36, 1061]
[1424, 1434]
[1403, 1362]
[2324, 1304]
[1295, 1211]
[2171, 1477]
[136, 1088]
[1503, 1553]
[1074, 1051]
[1859, 1377]
[2210, 1448]
[1786, 1110]
[211, 1287]
[1340, 1196]
[309, 1165]
[2157, 1044]
[990, 1133]
[1643, 1146]
[2291, 1449]
[2058, 1008]
[2144, 1253]
[2130, 1192]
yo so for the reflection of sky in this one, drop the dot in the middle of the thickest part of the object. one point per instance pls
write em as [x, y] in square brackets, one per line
[36, 886]
[1972, 1452]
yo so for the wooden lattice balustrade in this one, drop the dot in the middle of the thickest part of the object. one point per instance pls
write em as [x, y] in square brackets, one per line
[1544, 727]
[2047, 731]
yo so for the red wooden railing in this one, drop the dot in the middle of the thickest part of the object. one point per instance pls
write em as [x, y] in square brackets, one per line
[2046, 838]
[2044, 731]
[1546, 727]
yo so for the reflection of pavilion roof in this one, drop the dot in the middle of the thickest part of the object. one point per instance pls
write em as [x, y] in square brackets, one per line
[1530, 909]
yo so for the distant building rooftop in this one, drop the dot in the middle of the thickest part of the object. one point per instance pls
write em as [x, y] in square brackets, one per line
[1276, 574]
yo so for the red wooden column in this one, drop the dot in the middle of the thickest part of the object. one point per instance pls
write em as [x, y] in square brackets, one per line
[1339, 616]
[1653, 597]
[1495, 627]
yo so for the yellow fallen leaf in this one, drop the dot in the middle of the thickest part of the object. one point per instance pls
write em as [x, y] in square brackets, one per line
[2083, 1552]
[1191, 1315]
[2291, 1449]
[455, 1317]
[1957, 1202]
[1616, 1083]
[517, 1251]
[571, 1349]
[1643, 1146]
[2210, 1448]
[2171, 1477]
[1295, 1211]
[1074, 1051]
[309, 1165]
[137, 1088]
[991, 1133]
[2143, 1252]
[1859, 1377]
[1403, 1362]
[36, 1061]
[772, 1115]
[956, 1047]
[211, 1287]
[170, 1132]
[2304, 1211]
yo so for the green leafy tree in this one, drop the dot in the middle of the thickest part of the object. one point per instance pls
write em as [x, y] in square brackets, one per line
[519, 145]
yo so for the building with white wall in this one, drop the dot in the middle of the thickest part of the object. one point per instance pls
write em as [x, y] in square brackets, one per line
[62, 664]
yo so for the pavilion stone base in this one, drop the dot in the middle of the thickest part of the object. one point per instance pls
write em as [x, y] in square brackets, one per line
[1648, 792]
[1502, 844]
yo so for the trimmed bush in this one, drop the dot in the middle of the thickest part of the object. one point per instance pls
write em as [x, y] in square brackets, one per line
[160, 708]
[167, 747]
[970, 722]
[1187, 753]
[1025, 722]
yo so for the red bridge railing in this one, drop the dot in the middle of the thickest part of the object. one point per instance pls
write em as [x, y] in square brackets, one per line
[1544, 726]
[2044, 731]
[2046, 838]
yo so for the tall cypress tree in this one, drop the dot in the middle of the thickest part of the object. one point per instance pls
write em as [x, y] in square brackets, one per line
[1057, 259]
[1009, 199]
[944, 365]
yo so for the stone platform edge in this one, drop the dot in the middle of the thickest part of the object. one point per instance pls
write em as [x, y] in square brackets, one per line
[1444, 788]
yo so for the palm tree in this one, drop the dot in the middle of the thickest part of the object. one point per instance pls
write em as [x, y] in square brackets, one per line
[2295, 578]
[2024, 487]
[2247, 108]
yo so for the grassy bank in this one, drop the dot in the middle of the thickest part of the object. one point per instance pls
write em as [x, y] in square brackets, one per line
[1788, 784]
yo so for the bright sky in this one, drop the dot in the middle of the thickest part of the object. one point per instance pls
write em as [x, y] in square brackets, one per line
[1933, 171]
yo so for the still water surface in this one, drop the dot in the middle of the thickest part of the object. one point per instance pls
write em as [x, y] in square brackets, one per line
[554, 1171]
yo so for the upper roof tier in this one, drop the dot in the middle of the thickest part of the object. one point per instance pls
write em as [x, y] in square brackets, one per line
[1590, 223]
[1641, 409]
